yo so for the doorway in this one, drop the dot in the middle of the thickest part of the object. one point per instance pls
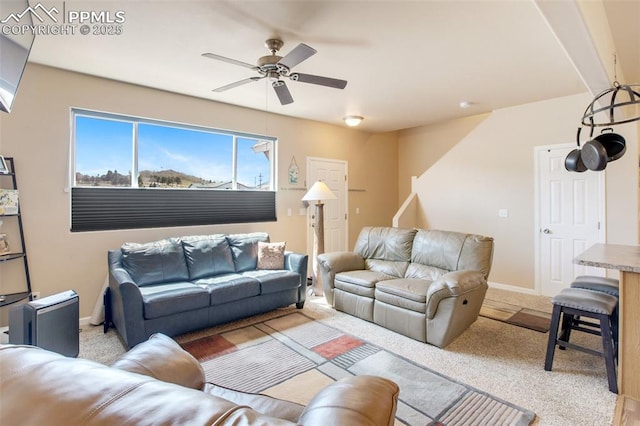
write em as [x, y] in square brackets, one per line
[334, 174]
[570, 218]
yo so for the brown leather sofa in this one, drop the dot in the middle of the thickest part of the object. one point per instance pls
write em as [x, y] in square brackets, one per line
[158, 383]
[425, 284]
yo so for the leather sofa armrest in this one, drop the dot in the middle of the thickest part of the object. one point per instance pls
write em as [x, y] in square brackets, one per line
[357, 400]
[452, 284]
[330, 264]
[298, 262]
[162, 358]
[125, 301]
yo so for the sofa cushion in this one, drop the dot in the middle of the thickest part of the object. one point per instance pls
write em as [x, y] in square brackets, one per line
[244, 248]
[387, 267]
[229, 287]
[207, 255]
[438, 248]
[411, 289]
[425, 272]
[264, 404]
[162, 358]
[355, 290]
[155, 262]
[477, 254]
[404, 293]
[170, 298]
[385, 243]
[274, 281]
[363, 278]
[270, 255]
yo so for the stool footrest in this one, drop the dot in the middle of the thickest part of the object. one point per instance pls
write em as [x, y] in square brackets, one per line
[566, 344]
[585, 330]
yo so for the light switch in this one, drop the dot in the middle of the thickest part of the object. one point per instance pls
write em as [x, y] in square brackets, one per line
[357, 210]
[503, 213]
[289, 213]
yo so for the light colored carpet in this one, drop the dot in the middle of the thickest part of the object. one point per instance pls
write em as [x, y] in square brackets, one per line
[504, 360]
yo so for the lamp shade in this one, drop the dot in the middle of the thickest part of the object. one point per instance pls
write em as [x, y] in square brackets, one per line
[318, 192]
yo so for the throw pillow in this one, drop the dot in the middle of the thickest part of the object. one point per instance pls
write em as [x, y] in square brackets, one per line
[271, 255]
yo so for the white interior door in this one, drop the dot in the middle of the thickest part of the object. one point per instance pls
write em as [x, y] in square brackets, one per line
[334, 174]
[570, 218]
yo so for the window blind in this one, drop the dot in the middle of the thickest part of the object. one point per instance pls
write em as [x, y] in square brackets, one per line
[101, 209]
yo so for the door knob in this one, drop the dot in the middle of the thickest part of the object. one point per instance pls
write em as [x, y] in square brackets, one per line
[546, 231]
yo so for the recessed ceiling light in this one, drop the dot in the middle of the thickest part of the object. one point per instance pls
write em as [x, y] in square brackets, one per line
[464, 104]
[353, 120]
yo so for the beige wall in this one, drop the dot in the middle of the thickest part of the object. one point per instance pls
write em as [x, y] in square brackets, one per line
[420, 147]
[36, 133]
[493, 168]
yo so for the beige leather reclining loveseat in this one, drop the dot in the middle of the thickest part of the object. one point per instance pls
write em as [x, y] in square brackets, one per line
[426, 284]
[158, 383]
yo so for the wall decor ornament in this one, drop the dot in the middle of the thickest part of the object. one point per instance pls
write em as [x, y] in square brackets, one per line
[293, 171]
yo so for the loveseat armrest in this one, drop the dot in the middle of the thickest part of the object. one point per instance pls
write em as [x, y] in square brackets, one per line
[163, 358]
[125, 301]
[298, 262]
[333, 263]
[452, 284]
[357, 400]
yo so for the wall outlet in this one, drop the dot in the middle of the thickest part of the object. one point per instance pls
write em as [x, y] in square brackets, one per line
[35, 295]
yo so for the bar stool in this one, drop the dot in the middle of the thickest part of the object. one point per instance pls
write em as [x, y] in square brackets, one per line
[572, 303]
[604, 285]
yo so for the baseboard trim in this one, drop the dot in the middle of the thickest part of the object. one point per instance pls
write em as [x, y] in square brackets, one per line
[514, 288]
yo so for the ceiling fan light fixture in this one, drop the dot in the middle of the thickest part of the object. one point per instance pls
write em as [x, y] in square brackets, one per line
[352, 120]
[274, 67]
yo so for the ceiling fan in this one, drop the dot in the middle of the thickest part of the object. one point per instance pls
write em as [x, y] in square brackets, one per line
[275, 68]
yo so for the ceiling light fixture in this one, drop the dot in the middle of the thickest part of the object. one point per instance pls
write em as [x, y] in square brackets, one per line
[464, 104]
[353, 120]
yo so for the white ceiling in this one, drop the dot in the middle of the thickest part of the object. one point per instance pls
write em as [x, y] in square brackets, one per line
[408, 63]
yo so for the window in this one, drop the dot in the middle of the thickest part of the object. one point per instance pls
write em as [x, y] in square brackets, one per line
[135, 173]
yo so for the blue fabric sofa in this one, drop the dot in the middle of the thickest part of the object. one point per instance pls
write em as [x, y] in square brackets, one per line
[177, 285]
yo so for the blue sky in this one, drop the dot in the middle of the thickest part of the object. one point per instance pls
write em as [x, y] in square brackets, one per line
[103, 145]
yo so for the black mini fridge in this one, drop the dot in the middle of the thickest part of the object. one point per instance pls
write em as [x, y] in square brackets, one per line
[51, 323]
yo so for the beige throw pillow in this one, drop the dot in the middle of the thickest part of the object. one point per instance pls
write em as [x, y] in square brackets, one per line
[270, 255]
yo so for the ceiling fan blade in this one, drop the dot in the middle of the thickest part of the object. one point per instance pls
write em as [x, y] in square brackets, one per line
[299, 53]
[316, 79]
[283, 92]
[228, 60]
[237, 83]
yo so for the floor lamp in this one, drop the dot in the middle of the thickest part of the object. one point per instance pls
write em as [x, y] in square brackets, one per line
[319, 192]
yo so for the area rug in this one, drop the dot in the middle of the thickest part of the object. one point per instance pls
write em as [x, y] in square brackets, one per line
[293, 356]
[516, 315]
